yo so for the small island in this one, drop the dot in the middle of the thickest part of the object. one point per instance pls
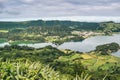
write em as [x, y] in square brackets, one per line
[107, 49]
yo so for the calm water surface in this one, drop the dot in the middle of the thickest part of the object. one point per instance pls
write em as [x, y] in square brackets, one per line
[83, 46]
[90, 43]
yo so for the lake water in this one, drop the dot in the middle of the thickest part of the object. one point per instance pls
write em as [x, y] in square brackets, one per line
[38, 45]
[3, 44]
[83, 46]
[90, 43]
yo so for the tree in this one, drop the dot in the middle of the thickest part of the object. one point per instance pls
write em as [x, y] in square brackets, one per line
[106, 49]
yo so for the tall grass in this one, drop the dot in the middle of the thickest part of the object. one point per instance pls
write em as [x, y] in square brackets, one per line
[26, 70]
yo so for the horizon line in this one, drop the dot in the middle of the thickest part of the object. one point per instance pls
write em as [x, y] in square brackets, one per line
[68, 18]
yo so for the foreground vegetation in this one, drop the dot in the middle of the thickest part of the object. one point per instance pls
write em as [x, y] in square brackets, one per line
[26, 70]
[49, 63]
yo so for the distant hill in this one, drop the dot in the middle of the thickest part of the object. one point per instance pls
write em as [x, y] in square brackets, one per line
[80, 25]
[104, 26]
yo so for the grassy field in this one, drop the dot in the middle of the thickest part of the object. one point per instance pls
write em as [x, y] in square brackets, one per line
[92, 61]
[4, 31]
[22, 42]
[2, 40]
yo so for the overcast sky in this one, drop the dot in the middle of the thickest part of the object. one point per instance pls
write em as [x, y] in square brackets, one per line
[33, 9]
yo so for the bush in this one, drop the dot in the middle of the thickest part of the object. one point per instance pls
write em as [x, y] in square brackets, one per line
[106, 49]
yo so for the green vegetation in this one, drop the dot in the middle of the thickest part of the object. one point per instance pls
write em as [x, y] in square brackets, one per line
[49, 63]
[63, 24]
[40, 34]
[21, 42]
[2, 40]
[27, 70]
[54, 31]
[106, 49]
[109, 27]
[3, 31]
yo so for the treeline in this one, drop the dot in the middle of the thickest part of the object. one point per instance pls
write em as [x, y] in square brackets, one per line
[71, 24]
[104, 26]
[109, 27]
[107, 49]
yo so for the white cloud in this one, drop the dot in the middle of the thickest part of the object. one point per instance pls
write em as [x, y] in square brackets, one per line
[56, 8]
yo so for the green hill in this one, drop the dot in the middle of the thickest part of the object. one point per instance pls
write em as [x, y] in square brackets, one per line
[79, 25]
[28, 63]
[73, 24]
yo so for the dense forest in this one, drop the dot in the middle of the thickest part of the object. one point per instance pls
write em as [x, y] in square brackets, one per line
[63, 24]
[79, 25]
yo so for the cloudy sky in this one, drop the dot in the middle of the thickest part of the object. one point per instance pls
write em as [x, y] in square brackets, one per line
[44, 9]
